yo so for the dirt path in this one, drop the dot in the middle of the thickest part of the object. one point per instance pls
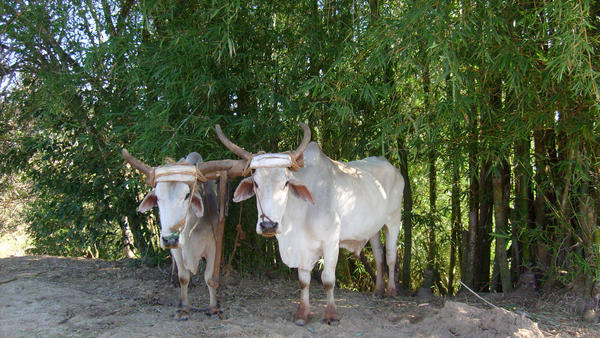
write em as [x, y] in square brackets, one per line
[52, 296]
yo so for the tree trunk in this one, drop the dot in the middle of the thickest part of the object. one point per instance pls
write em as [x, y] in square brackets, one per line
[501, 199]
[126, 238]
[406, 214]
[374, 9]
[432, 212]
[470, 238]
[484, 240]
[455, 220]
[432, 167]
[368, 267]
[542, 255]
[588, 219]
[521, 247]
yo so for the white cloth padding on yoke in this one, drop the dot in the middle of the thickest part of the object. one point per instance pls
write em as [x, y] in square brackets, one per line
[176, 173]
[277, 160]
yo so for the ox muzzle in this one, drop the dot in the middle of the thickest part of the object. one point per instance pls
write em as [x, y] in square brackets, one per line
[171, 241]
[268, 228]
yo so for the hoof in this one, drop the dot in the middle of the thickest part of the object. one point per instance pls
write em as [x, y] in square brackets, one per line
[215, 313]
[301, 316]
[218, 315]
[331, 321]
[392, 293]
[182, 315]
[331, 315]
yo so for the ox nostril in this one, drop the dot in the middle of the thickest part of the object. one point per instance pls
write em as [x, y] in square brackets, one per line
[170, 242]
[268, 225]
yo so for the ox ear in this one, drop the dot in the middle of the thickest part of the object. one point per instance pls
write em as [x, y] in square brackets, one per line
[149, 202]
[244, 190]
[301, 191]
[197, 205]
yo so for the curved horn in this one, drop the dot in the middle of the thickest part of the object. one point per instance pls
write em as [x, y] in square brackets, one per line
[305, 141]
[241, 152]
[137, 164]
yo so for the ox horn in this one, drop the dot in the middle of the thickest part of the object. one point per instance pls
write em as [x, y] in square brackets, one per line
[141, 166]
[305, 141]
[241, 152]
[137, 164]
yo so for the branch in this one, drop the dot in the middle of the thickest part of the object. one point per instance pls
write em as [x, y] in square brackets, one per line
[589, 55]
[50, 40]
[97, 23]
[107, 16]
[5, 69]
[125, 10]
[368, 267]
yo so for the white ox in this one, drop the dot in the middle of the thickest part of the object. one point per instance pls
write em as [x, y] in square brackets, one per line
[188, 219]
[316, 209]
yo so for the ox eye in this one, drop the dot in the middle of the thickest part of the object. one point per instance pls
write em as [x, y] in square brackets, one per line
[187, 196]
[255, 184]
[286, 184]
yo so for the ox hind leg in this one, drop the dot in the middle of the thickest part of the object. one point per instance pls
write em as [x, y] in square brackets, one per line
[391, 250]
[184, 278]
[330, 258]
[380, 262]
[211, 283]
[301, 315]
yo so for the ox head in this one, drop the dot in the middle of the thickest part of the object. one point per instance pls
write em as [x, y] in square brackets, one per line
[176, 193]
[271, 181]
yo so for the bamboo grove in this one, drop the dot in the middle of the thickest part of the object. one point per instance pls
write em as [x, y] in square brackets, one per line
[489, 108]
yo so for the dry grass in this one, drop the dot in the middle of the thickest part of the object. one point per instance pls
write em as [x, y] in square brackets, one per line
[14, 194]
[14, 242]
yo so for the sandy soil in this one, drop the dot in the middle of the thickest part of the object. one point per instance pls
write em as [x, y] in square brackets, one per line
[51, 296]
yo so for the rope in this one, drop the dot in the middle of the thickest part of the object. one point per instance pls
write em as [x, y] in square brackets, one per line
[247, 171]
[200, 176]
[295, 165]
[240, 235]
[262, 213]
[478, 296]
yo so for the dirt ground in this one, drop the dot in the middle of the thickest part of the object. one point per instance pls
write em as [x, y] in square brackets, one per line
[53, 296]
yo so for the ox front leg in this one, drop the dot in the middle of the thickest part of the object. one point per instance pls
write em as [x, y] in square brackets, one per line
[212, 284]
[184, 279]
[301, 315]
[328, 278]
[391, 253]
[379, 261]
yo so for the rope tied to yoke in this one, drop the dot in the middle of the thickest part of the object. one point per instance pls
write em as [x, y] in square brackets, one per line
[295, 165]
[247, 171]
[200, 176]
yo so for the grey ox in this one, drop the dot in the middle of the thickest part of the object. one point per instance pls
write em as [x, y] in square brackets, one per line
[188, 219]
[316, 207]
